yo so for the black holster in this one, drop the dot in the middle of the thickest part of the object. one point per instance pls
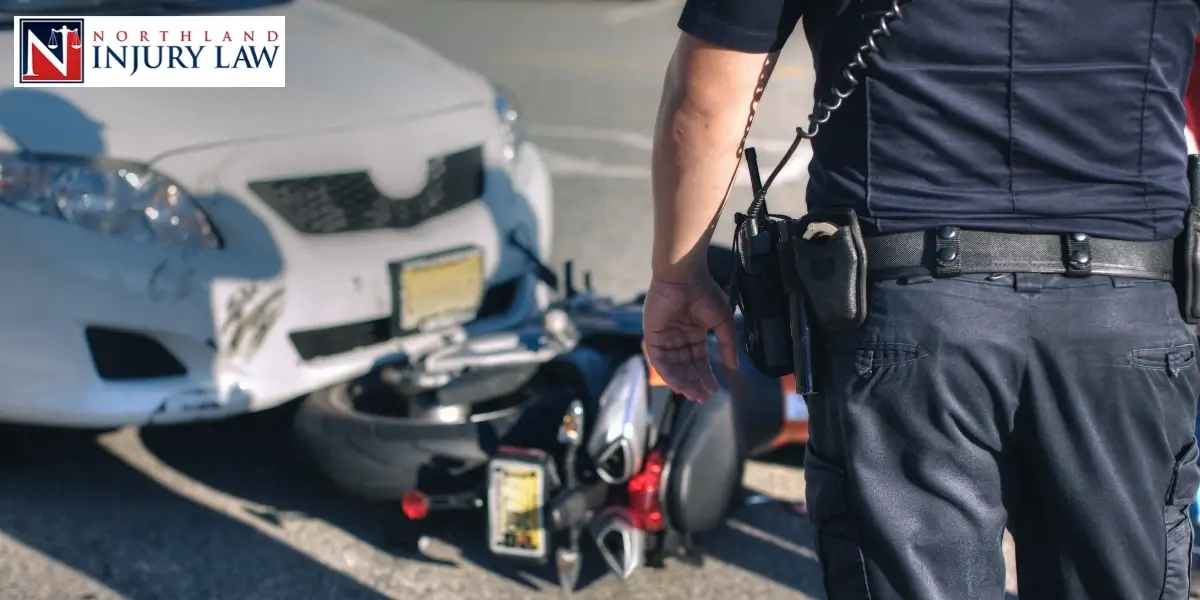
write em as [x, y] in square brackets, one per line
[1187, 250]
[828, 257]
[796, 279]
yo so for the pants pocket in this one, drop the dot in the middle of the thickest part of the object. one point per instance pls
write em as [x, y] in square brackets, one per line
[1180, 493]
[836, 539]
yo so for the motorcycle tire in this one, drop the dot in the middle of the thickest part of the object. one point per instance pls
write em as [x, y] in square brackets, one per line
[377, 457]
[706, 466]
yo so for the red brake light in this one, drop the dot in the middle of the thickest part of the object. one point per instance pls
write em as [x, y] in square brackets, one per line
[415, 505]
[644, 492]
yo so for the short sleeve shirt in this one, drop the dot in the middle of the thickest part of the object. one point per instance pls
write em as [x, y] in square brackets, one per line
[1049, 117]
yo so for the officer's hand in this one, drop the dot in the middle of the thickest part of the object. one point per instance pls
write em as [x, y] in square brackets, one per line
[676, 319]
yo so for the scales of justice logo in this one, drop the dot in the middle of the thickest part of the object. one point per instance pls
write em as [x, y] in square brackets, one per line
[50, 51]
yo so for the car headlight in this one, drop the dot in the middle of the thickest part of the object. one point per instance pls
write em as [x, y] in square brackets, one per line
[512, 126]
[112, 198]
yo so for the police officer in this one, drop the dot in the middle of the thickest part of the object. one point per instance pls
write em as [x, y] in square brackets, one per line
[1020, 168]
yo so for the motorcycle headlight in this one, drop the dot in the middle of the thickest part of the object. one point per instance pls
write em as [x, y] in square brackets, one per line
[512, 126]
[116, 199]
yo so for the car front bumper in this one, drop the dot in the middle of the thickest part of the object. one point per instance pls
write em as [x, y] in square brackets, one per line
[102, 333]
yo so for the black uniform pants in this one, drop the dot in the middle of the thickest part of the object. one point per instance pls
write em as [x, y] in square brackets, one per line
[1060, 407]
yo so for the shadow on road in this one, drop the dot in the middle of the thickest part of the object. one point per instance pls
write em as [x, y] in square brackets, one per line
[787, 456]
[69, 498]
[771, 542]
[252, 458]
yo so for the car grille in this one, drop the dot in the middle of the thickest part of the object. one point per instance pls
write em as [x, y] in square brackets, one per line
[347, 202]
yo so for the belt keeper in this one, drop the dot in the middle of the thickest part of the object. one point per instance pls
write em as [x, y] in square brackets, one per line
[1077, 255]
[947, 257]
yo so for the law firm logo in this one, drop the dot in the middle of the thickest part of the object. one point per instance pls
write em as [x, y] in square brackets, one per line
[150, 51]
[50, 51]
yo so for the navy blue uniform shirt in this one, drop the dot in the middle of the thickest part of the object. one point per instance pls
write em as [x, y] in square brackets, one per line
[1053, 116]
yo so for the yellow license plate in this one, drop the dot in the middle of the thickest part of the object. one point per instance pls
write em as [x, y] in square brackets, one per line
[516, 497]
[439, 290]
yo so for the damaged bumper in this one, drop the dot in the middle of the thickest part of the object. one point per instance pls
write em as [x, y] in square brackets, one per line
[100, 332]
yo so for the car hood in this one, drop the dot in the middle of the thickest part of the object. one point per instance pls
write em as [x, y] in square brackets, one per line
[344, 71]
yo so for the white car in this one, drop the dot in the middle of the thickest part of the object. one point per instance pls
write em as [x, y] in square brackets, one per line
[172, 255]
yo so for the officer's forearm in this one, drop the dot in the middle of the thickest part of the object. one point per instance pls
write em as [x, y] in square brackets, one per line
[703, 117]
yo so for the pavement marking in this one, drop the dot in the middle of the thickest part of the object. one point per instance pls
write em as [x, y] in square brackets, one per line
[634, 12]
[623, 137]
[778, 145]
[614, 62]
[564, 164]
[772, 539]
[795, 170]
[642, 141]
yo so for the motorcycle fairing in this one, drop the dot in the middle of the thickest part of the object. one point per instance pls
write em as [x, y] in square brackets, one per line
[617, 445]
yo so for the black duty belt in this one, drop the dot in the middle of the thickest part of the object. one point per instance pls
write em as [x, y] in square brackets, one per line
[949, 251]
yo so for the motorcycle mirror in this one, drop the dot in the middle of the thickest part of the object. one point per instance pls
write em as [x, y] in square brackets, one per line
[587, 281]
[543, 272]
[569, 279]
[570, 431]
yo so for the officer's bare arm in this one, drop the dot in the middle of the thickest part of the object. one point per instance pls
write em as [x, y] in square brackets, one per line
[718, 71]
[707, 106]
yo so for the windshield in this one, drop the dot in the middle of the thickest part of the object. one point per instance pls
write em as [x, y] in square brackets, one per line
[87, 8]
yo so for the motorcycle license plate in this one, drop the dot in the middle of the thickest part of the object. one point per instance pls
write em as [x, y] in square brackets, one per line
[516, 515]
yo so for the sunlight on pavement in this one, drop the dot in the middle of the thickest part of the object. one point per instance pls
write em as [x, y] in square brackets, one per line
[442, 576]
[611, 62]
[780, 482]
[47, 576]
[781, 544]
[341, 552]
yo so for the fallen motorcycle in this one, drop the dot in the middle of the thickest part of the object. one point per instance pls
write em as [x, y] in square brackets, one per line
[559, 430]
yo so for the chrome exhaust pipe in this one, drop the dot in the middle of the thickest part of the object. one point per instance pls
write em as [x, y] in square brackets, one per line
[618, 443]
[621, 543]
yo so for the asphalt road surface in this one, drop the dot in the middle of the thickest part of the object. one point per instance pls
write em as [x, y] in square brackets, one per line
[221, 511]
